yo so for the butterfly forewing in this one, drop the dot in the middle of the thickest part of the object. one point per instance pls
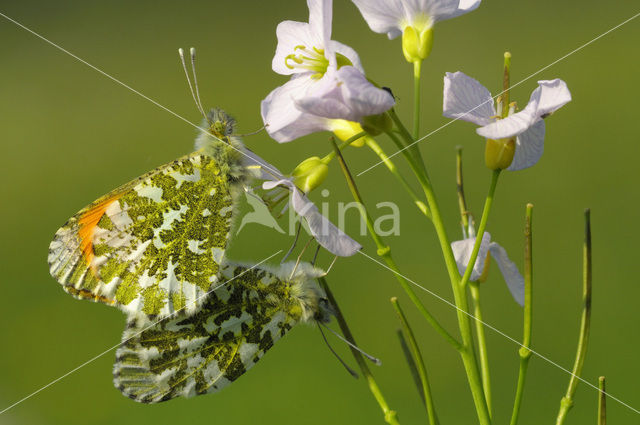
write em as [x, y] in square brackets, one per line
[206, 351]
[154, 245]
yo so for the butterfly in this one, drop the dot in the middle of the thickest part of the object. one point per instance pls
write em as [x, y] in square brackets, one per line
[188, 355]
[155, 244]
[156, 248]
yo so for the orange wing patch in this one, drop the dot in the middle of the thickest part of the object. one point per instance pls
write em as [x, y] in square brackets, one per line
[87, 224]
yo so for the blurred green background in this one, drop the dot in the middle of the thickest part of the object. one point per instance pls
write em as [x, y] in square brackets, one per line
[69, 134]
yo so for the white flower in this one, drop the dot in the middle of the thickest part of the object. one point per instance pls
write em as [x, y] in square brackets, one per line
[326, 233]
[462, 253]
[327, 82]
[307, 47]
[394, 16]
[468, 100]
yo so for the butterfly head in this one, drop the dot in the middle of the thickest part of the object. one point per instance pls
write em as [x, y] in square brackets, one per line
[221, 124]
[312, 300]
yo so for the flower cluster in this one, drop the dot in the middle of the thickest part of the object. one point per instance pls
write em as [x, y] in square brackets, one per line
[327, 85]
[328, 91]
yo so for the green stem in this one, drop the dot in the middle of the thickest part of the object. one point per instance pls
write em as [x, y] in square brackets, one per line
[417, 357]
[384, 251]
[417, 67]
[412, 151]
[506, 84]
[482, 343]
[524, 352]
[602, 402]
[474, 287]
[392, 168]
[389, 414]
[328, 157]
[462, 203]
[462, 310]
[567, 401]
[481, 228]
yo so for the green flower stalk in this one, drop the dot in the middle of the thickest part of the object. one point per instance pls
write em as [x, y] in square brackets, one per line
[524, 352]
[602, 402]
[567, 401]
[464, 322]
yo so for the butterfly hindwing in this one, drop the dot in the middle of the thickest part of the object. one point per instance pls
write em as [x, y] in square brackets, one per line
[206, 351]
[154, 245]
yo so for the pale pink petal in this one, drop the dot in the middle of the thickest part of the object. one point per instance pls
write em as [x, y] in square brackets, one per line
[392, 16]
[320, 16]
[291, 34]
[529, 147]
[347, 52]
[283, 120]
[547, 98]
[465, 6]
[466, 99]
[462, 252]
[513, 278]
[345, 94]
[383, 16]
[434, 10]
[326, 233]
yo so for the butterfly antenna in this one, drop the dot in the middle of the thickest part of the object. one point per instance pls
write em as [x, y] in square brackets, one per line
[192, 51]
[375, 360]
[346, 366]
[304, 248]
[293, 246]
[186, 73]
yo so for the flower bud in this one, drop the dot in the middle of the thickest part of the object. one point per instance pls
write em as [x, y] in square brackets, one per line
[310, 174]
[416, 44]
[498, 154]
[344, 130]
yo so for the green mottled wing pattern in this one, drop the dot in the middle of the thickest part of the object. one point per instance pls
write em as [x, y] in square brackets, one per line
[203, 353]
[152, 246]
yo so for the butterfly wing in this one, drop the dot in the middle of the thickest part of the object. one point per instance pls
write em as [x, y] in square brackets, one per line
[153, 245]
[205, 352]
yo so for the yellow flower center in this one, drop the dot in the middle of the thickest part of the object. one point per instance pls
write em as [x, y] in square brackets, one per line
[312, 59]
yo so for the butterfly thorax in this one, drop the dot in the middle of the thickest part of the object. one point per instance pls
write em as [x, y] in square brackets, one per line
[219, 143]
[310, 299]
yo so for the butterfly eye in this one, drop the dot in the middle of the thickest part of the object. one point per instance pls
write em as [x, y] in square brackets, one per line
[325, 311]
